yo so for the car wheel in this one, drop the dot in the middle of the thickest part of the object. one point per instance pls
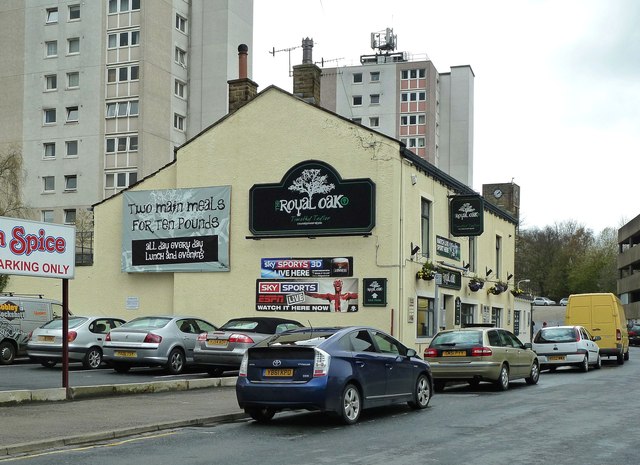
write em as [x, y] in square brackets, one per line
[7, 353]
[261, 415]
[48, 363]
[92, 359]
[175, 362]
[620, 358]
[422, 393]
[439, 385]
[503, 380]
[534, 374]
[121, 367]
[584, 366]
[351, 404]
[598, 364]
[215, 372]
[626, 355]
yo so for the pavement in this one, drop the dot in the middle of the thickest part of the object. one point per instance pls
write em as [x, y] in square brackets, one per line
[43, 419]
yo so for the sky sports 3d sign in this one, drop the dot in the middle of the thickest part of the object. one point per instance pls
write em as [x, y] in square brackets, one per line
[30, 248]
[306, 267]
[176, 230]
[312, 199]
[466, 215]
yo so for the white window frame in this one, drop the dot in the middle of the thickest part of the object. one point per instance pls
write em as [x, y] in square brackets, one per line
[46, 216]
[356, 98]
[180, 89]
[374, 76]
[50, 82]
[181, 23]
[180, 57]
[122, 109]
[374, 99]
[48, 150]
[70, 182]
[69, 76]
[73, 8]
[51, 180]
[71, 212]
[120, 179]
[67, 145]
[357, 78]
[70, 42]
[179, 122]
[48, 45]
[50, 111]
[72, 112]
[114, 74]
[52, 16]
[122, 6]
[374, 121]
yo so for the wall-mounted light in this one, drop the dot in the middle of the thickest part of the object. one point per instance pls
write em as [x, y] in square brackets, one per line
[414, 249]
[509, 276]
[414, 179]
[466, 266]
[489, 271]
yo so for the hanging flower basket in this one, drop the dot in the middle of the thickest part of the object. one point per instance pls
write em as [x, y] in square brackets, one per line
[427, 272]
[476, 284]
[497, 288]
[517, 292]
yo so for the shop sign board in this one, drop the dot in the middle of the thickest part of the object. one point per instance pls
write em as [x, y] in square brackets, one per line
[447, 248]
[325, 267]
[30, 248]
[312, 200]
[307, 295]
[466, 215]
[176, 230]
[451, 279]
[375, 292]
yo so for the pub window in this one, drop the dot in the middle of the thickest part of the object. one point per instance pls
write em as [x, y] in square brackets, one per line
[425, 211]
[426, 315]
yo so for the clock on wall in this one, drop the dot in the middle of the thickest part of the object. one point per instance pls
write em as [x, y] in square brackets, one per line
[497, 193]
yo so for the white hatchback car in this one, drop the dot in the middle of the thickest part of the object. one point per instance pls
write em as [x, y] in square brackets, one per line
[566, 346]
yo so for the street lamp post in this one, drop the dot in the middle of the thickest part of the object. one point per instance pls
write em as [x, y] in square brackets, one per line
[522, 281]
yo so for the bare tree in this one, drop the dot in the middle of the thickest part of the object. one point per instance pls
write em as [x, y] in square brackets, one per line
[310, 182]
[12, 178]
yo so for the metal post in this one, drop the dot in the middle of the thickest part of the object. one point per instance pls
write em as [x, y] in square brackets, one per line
[65, 335]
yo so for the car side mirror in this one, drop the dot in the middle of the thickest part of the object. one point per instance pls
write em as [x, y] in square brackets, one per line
[527, 345]
[411, 353]
[596, 338]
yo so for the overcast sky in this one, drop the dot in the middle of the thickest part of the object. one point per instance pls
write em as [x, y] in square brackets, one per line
[557, 87]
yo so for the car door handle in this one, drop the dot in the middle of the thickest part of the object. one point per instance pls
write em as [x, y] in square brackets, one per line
[360, 363]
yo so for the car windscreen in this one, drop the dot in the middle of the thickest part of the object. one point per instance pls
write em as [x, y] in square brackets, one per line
[297, 338]
[554, 335]
[457, 338]
[147, 322]
[57, 323]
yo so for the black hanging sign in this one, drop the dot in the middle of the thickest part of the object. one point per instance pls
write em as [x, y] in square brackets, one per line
[466, 215]
[375, 292]
[312, 199]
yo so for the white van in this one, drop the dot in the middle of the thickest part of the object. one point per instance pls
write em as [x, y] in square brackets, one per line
[19, 315]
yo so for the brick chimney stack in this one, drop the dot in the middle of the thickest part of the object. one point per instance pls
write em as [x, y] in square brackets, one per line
[243, 89]
[306, 77]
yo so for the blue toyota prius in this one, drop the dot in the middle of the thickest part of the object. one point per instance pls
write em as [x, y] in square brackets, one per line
[335, 370]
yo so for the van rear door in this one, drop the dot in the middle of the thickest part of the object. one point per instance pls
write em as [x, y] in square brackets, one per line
[604, 320]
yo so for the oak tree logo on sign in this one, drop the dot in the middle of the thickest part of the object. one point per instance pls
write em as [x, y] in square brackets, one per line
[466, 211]
[311, 182]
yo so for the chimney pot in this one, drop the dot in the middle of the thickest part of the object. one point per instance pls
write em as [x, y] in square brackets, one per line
[307, 51]
[242, 61]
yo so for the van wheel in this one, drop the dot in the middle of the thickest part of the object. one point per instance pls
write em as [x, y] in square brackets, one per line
[7, 353]
[626, 355]
[621, 358]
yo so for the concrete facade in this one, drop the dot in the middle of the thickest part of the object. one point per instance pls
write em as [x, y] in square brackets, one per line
[127, 81]
[256, 145]
[629, 268]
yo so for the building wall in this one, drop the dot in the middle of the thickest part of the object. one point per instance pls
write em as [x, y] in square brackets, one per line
[214, 29]
[254, 145]
[629, 268]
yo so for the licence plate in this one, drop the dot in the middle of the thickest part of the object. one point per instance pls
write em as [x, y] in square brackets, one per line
[125, 353]
[278, 372]
[454, 353]
[556, 357]
[217, 342]
[46, 338]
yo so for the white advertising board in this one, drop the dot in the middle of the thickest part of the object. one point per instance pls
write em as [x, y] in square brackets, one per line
[30, 248]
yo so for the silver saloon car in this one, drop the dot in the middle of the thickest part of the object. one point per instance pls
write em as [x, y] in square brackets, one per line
[223, 349]
[166, 341]
[85, 335]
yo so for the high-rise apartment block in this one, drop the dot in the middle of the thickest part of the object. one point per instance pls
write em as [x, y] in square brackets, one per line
[97, 94]
[409, 100]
